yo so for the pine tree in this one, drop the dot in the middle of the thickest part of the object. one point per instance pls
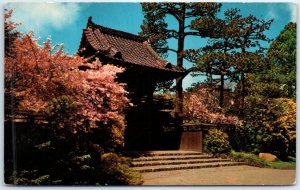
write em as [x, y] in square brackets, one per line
[217, 57]
[249, 36]
[235, 51]
[187, 15]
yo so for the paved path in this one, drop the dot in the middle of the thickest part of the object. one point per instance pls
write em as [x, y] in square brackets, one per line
[235, 175]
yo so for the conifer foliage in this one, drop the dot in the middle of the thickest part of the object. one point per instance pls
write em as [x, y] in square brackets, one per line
[187, 15]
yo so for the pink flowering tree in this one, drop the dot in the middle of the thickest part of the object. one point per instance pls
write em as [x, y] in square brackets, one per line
[43, 79]
[202, 106]
[83, 111]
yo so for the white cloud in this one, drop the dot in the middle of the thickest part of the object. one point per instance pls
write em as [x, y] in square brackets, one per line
[292, 7]
[41, 17]
[187, 81]
[272, 13]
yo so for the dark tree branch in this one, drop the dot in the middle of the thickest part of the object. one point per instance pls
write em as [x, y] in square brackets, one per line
[217, 72]
[168, 49]
[192, 34]
[211, 35]
[172, 34]
[189, 16]
[172, 11]
[187, 26]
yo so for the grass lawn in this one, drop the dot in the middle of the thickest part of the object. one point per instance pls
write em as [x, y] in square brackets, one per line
[291, 164]
[254, 160]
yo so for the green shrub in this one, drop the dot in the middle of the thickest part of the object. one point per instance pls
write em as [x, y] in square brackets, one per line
[45, 157]
[270, 126]
[24, 179]
[250, 158]
[117, 171]
[59, 109]
[216, 141]
[42, 180]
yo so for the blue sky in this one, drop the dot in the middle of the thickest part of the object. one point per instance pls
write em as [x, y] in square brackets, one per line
[63, 22]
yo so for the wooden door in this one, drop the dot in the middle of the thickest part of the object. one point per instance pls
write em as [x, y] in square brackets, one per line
[191, 140]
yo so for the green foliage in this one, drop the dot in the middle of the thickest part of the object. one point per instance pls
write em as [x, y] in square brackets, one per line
[118, 172]
[44, 145]
[156, 29]
[250, 158]
[270, 107]
[283, 165]
[82, 158]
[254, 160]
[41, 180]
[235, 51]
[52, 158]
[282, 55]
[165, 87]
[155, 25]
[261, 85]
[269, 126]
[216, 141]
[59, 109]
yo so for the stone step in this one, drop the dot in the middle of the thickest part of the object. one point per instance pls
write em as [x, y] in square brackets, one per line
[172, 157]
[159, 168]
[177, 162]
[161, 153]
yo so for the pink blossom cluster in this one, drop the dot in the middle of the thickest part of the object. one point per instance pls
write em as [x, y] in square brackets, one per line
[202, 106]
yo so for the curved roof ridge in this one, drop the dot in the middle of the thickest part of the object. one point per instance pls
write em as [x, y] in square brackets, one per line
[124, 47]
[115, 32]
[97, 40]
[154, 54]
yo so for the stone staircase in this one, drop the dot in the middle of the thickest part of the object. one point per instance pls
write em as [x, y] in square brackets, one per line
[154, 161]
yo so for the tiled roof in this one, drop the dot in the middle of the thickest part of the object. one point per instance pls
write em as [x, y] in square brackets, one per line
[125, 47]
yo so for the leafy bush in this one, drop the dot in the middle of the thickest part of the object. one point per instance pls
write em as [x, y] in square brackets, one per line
[60, 110]
[216, 141]
[250, 158]
[48, 159]
[270, 126]
[42, 180]
[117, 171]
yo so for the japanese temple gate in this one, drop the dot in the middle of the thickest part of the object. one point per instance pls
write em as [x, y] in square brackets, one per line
[149, 124]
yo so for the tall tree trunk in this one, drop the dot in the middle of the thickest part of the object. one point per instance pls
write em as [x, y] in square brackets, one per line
[243, 89]
[221, 101]
[243, 94]
[209, 78]
[179, 99]
[222, 92]
[179, 89]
